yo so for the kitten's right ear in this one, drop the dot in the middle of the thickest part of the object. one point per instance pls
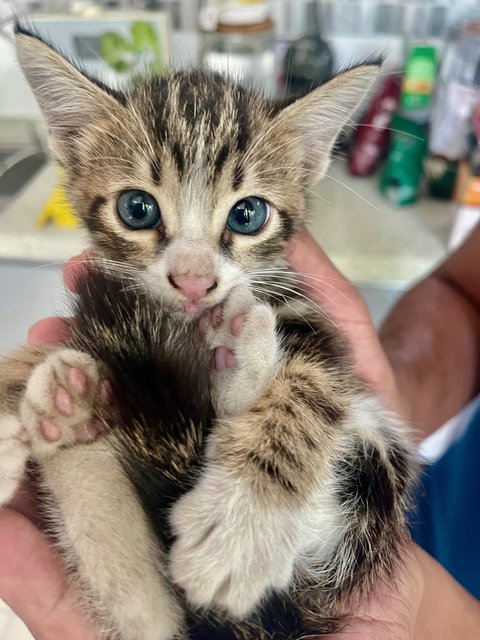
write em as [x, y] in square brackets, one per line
[69, 101]
[316, 120]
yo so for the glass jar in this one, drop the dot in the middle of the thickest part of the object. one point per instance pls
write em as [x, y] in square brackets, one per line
[246, 52]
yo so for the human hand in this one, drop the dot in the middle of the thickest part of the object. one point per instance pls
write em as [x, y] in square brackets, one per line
[333, 293]
[422, 601]
[344, 305]
[33, 581]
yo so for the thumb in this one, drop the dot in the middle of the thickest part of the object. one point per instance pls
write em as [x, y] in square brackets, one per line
[343, 304]
[324, 283]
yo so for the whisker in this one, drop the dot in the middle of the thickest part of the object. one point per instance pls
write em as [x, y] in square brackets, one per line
[316, 279]
[283, 300]
[325, 175]
[311, 305]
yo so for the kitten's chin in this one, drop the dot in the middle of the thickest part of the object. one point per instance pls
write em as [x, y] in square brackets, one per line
[191, 309]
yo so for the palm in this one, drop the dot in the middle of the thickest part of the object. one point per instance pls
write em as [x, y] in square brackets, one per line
[29, 565]
[391, 611]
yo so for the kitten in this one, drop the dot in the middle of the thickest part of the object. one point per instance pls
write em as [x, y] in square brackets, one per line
[245, 483]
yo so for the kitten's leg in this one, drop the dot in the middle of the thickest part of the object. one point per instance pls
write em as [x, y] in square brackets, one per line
[238, 535]
[15, 369]
[270, 501]
[45, 399]
[95, 513]
[245, 351]
[108, 543]
[57, 408]
[13, 456]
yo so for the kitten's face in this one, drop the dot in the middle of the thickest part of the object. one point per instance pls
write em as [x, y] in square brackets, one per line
[190, 181]
[226, 197]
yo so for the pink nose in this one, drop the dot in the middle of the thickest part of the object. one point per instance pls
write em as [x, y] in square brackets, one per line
[192, 286]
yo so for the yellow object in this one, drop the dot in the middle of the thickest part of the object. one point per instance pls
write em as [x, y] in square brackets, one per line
[58, 211]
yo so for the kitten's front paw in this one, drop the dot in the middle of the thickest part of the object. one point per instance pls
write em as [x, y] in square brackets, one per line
[246, 350]
[13, 456]
[57, 408]
[229, 552]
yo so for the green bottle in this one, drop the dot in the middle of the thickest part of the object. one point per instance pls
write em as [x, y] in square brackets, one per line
[402, 173]
[418, 82]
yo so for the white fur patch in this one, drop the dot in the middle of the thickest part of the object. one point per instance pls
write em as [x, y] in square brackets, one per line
[13, 456]
[256, 350]
[230, 552]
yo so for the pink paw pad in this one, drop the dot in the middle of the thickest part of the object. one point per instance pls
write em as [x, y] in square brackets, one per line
[63, 402]
[78, 380]
[50, 431]
[223, 358]
[237, 324]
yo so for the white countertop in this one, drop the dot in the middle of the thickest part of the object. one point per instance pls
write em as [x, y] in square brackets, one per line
[370, 241]
[373, 242]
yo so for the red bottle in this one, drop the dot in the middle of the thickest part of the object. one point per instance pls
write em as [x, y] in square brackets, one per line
[371, 140]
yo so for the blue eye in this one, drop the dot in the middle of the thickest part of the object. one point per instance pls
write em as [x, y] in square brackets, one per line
[248, 216]
[138, 210]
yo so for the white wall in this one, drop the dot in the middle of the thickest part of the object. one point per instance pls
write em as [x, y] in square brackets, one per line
[27, 294]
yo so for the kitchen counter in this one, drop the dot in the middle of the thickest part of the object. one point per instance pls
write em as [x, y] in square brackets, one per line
[370, 241]
[373, 242]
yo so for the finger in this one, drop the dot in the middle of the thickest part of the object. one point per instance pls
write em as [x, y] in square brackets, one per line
[32, 583]
[390, 610]
[50, 331]
[325, 284]
[76, 268]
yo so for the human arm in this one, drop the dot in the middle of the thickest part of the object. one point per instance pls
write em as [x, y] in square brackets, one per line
[432, 340]
[425, 363]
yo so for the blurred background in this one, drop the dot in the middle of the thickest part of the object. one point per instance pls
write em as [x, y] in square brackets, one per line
[404, 187]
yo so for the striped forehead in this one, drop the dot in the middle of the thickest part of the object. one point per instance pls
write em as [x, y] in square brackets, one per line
[200, 119]
[199, 122]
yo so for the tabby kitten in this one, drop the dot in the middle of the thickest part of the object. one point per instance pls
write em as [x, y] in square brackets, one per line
[245, 482]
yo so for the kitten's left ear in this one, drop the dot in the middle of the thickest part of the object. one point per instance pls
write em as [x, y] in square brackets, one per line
[316, 119]
[70, 102]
